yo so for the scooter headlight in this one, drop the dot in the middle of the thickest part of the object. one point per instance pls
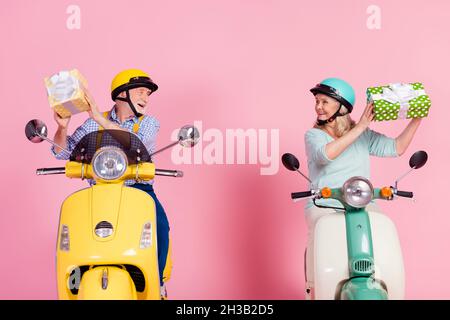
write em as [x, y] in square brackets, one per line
[357, 192]
[109, 163]
[103, 229]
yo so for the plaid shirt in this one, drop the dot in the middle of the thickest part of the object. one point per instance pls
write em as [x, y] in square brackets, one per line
[148, 129]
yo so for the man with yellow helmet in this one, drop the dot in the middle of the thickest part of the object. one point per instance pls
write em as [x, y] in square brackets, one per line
[128, 80]
[130, 90]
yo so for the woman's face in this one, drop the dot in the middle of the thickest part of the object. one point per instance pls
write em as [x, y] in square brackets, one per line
[325, 106]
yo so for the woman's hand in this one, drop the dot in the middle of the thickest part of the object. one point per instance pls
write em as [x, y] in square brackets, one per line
[63, 123]
[367, 116]
[335, 148]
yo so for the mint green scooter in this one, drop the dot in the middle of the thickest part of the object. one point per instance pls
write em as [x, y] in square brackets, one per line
[346, 266]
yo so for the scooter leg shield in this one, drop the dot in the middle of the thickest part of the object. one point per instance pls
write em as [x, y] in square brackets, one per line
[107, 283]
[330, 256]
[387, 252]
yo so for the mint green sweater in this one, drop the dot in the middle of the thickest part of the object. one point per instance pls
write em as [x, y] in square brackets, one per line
[354, 161]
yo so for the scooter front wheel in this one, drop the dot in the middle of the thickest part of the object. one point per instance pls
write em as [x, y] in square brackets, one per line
[107, 283]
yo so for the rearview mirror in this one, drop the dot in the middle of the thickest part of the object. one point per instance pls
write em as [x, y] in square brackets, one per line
[290, 162]
[36, 131]
[418, 159]
[188, 136]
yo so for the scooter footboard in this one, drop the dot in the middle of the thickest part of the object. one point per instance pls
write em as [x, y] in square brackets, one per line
[107, 283]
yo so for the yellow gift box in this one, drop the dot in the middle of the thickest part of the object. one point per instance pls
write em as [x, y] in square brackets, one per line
[66, 93]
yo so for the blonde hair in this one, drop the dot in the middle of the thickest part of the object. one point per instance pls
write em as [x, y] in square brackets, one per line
[343, 124]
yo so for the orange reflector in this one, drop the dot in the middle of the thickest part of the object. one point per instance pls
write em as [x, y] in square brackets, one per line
[326, 192]
[386, 192]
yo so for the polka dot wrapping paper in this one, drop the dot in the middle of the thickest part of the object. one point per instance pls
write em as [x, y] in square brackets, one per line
[399, 101]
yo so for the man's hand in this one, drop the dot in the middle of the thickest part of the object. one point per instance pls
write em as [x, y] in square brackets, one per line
[63, 123]
[93, 111]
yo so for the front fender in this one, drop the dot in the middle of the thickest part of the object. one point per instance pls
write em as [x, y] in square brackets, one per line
[107, 283]
[363, 288]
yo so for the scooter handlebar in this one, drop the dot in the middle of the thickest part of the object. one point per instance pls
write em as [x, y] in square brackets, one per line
[303, 194]
[46, 171]
[406, 194]
[62, 170]
[169, 173]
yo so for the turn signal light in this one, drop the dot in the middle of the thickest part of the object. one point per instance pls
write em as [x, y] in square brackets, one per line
[386, 192]
[326, 192]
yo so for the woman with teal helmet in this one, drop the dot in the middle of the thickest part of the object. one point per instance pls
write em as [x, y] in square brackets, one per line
[339, 90]
[338, 148]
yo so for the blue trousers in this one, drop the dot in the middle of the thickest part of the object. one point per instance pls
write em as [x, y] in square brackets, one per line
[162, 227]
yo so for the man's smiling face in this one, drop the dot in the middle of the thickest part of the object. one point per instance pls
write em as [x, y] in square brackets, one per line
[139, 97]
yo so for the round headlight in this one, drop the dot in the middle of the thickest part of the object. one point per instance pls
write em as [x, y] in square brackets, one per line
[109, 163]
[103, 229]
[357, 192]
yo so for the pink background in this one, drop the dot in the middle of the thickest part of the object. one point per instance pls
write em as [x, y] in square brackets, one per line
[231, 64]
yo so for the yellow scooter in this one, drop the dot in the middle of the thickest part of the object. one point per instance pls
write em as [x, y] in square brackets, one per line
[107, 247]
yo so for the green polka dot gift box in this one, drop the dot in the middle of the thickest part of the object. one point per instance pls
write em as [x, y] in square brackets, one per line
[399, 101]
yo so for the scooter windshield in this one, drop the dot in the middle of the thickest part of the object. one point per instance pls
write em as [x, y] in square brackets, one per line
[126, 141]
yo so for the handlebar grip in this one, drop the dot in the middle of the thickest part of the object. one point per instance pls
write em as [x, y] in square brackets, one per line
[303, 194]
[406, 194]
[169, 173]
[46, 171]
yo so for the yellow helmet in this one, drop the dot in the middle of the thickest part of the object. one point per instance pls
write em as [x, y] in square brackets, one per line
[130, 79]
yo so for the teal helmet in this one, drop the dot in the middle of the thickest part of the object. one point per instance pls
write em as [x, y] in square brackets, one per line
[338, 89]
